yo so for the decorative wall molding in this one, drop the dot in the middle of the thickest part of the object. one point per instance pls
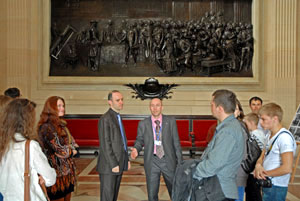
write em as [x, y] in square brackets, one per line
[151, 89]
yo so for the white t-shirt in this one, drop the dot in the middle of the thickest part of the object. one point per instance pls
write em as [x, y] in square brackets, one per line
[284, 143]
[12, 171]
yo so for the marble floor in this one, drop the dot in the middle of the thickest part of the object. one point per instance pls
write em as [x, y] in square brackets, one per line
[133, 185]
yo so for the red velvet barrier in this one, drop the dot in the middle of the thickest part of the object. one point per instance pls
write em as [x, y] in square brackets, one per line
[130, 127]
[84, 129]
[201, 128]
[184, 133]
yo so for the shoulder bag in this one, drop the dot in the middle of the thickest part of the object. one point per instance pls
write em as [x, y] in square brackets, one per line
[253, 153]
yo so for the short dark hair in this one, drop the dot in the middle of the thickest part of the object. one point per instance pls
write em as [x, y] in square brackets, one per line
[226, 99]
[109, 97]
[255, 98]
[12, 92]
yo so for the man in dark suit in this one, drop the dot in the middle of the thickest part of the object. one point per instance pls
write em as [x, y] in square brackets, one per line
[113, 152]
[162, 151]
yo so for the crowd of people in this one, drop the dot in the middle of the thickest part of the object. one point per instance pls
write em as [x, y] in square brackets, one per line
[217, 175]
[51, 149]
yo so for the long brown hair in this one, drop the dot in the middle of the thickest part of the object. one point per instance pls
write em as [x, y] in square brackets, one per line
[50, 113]
[4, 100]
[17, 117]
[242, 115]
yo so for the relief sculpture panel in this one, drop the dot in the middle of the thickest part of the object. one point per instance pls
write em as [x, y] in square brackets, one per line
[143, 38]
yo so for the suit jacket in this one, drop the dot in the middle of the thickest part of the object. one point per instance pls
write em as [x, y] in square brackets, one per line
[170, 142]
[111, 150]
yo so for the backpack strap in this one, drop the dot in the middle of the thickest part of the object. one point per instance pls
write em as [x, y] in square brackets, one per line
[275, 140]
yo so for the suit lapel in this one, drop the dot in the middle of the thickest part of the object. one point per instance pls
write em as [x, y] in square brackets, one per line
[114, 118]
[150, 129]
[149, 132]
[116, 122]
[164, 127]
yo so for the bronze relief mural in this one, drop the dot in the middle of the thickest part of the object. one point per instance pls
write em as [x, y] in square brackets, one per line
[144, 38]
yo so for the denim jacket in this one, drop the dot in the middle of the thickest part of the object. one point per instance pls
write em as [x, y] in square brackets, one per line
[223, 156]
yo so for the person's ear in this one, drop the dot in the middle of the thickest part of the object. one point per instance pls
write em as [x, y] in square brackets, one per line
[220, 108]
[275, 118]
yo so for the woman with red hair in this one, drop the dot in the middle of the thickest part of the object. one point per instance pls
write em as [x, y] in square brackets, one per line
[59, 147]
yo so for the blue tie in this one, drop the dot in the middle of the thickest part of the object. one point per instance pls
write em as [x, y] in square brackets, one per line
[122, 132]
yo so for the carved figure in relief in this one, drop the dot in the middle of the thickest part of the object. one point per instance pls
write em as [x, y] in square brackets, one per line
[94, 42]
[173, 45]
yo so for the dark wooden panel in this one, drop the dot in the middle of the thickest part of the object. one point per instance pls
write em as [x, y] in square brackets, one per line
[86, 10]
[149, 9]
[198, 9]
[120, 8]
[219, 6]
[181, 10]
[228, 10]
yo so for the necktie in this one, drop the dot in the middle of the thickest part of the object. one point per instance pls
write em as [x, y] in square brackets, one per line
[159, 148]
[122, 132]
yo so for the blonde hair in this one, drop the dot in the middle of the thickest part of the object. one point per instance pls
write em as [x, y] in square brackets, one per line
[271, 110]
[252, 117]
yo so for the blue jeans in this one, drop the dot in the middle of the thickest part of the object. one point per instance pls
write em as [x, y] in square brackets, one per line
[276, 193]
[241, 190]
[1, 197]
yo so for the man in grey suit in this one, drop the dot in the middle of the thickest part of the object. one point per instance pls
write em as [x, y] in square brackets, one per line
[162, 151]
[113, 152]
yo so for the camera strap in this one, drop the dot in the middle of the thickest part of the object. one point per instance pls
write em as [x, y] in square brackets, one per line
[274, 141]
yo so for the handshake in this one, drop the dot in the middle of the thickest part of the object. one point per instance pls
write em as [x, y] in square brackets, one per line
[134, 153]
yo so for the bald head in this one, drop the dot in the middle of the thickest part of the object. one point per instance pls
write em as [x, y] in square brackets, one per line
[156, 107]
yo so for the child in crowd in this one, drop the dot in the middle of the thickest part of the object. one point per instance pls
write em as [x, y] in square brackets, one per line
[253, 191]
[251, 120]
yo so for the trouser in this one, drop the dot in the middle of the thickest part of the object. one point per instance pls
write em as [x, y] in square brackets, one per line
[253, 191]
[241, 190]
[159, 166]
[275, 193]
[109, 187]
